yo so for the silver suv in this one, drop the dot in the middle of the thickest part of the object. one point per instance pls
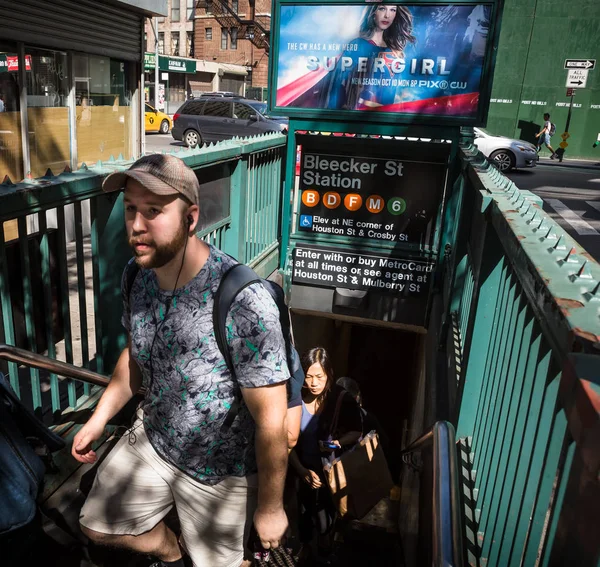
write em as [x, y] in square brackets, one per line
[212, 119]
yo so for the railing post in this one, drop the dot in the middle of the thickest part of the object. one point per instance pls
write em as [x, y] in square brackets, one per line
[488, 279]
[235, 237]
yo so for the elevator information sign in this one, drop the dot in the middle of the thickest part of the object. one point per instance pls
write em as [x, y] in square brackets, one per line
[377, 198]
[335, 267]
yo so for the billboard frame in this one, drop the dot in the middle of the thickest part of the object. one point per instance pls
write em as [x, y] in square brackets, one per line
[388, 117]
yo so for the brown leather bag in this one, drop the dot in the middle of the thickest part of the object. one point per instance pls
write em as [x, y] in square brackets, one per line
[360, 477]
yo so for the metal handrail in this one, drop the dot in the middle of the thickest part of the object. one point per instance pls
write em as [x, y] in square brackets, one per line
[41, 362]
[447, 524]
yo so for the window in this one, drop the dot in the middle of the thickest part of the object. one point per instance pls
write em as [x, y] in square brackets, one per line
[209, 6]
[47, 111]
[161, 42]
[235, 6]
[11, 149]
[208, 34]
[189, 44]
[217, 108]
[243, 111]
[175, 13]
[148, 108]
[193, 107]
[234, 38]
[175, 43]
[189, 4]
[223, 38]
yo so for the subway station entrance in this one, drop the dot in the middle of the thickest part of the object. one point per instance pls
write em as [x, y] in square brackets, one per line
[466, 317]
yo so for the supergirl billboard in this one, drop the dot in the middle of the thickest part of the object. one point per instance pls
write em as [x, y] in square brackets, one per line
[356, 59]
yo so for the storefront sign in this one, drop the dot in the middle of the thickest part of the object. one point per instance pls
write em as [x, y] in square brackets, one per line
[366, 197]
[11, 63]
[169, 64]
[335, 267]
[403, 59]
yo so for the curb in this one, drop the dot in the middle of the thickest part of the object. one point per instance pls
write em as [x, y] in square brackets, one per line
[578, 164]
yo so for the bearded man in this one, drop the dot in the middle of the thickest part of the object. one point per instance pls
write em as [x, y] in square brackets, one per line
[178, 452]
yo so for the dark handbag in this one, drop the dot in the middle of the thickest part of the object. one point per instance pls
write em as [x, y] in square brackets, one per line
[360, 477]
[21, 469]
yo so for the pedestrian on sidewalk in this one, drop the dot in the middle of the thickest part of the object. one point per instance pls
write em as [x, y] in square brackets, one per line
[181, 450]
[544, 135]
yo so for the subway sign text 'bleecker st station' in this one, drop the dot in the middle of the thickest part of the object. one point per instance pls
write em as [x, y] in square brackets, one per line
[375, 198]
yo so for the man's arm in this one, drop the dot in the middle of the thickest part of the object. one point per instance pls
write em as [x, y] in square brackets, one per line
[268, 407]
[124, 384]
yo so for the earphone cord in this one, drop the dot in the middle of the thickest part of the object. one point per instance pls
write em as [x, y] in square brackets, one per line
[159, 327]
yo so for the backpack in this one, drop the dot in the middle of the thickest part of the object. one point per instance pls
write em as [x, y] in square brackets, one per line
[21, 469]
[552, 129]
[233, 281]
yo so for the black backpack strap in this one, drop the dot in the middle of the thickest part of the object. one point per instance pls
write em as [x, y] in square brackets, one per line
[233, 281]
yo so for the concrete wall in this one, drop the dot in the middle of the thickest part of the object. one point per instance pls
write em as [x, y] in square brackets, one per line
[536, 38]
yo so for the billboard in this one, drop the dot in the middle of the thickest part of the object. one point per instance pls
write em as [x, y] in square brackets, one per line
[354, 60]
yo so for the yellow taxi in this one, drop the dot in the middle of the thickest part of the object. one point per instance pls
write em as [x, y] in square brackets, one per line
[157, 121]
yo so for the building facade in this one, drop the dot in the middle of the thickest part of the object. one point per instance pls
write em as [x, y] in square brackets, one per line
[236, 33]
[530, 78]
[71, 93]
[183, 71]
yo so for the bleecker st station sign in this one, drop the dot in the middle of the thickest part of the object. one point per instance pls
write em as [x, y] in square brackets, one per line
[369, 197]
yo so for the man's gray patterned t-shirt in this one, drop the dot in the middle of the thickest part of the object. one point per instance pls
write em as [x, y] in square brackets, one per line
[189, 388]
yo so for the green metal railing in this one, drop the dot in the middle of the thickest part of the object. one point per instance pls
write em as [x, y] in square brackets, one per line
[526, 300]
[59, 284]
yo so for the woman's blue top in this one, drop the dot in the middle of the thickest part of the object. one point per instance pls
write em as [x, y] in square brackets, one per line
[308, 442]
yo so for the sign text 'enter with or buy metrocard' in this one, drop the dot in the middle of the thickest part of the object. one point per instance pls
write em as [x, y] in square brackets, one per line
[366, 197]
[326, 266]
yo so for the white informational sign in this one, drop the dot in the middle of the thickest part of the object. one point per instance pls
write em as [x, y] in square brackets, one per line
[577, 78]
[161, 96]
[164, 76]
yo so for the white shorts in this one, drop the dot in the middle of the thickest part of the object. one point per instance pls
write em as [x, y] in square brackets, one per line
[135, 488]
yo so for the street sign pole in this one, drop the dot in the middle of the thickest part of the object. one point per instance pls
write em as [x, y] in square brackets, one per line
[560, 152]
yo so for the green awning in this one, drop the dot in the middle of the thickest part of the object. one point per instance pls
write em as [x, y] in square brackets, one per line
[169, 64]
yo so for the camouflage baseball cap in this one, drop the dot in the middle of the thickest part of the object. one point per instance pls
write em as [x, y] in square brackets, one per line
[161, 174]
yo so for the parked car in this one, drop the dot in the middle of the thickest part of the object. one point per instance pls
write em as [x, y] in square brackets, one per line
[212, 119]
[262, 109]
[156, 121]
[506, 153]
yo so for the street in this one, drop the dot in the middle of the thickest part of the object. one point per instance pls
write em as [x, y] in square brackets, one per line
[571, 197]
[162, 142]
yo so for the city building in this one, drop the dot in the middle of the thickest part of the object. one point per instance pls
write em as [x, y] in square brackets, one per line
[70, 83]
[183, 73]
[235, 32]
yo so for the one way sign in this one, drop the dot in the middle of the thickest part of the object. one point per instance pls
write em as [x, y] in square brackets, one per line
[577, 78]
[588, 64]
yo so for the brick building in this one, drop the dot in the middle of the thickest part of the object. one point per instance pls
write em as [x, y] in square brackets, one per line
[234, 32]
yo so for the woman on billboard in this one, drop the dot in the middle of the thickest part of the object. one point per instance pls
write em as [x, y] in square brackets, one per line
[385, 31]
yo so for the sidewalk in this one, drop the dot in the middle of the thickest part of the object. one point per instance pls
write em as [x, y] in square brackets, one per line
[578, 163]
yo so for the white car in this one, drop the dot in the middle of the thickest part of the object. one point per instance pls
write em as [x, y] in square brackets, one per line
[507, 153]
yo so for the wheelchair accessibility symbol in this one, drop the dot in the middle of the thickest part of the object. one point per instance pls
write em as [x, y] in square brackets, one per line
[306, 221]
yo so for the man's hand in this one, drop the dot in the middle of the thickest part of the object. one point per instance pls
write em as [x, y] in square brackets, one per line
[312, 479]
[82, 442]
[270, 527]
